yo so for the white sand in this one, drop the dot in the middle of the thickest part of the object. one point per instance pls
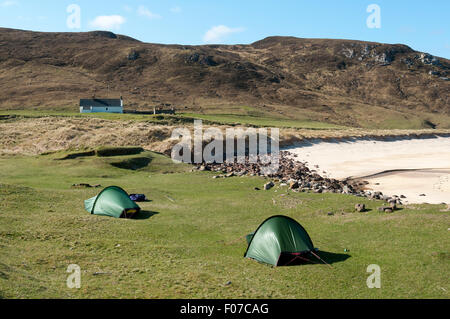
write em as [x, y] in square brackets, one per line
[418, 166]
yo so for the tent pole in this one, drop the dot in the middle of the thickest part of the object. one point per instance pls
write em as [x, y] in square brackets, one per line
[321, 259]
[302, 258]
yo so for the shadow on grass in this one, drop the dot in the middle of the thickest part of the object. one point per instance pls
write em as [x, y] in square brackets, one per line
[144, 214]
[332, 258]
[308, 259]
[133, 163]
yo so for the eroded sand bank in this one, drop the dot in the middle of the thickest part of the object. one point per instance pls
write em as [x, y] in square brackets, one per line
[397, 166]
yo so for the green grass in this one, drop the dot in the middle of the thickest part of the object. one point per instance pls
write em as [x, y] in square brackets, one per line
[157, 119]
[194, 243]
[258, 121]
[188, 118]
[356, 116]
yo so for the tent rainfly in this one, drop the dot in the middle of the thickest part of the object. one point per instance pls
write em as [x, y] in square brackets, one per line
[113, 201]
[278, 241]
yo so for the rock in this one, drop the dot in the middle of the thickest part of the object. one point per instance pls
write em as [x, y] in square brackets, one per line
[330, 213]
[348, 53]
[133, 55]
[293, 185]
[268, 185]
[422, 195]
[393, 205]
[98, 273]
[426, 58]
[295, 174]
[383, 59]
[257, 189]
[402, 196]
[360, 208]
[230, 174]
[385, 209]
[84, 185]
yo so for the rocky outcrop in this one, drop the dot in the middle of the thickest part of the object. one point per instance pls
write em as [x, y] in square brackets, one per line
[426, 58]
[133, 55]
[299, 178]
[295, 174]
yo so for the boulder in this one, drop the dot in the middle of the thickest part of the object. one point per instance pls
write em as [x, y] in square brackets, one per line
[385, 209]
[360, 208]
[293, 185]
[133, 55]
[268, 185]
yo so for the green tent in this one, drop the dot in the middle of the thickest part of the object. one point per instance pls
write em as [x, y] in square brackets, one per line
[112, 201]
[279, 240]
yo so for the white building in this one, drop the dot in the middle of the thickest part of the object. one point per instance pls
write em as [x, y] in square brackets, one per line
[101, 105]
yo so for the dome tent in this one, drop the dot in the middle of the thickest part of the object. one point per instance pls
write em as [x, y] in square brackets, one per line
[279, 240]
[112, 201]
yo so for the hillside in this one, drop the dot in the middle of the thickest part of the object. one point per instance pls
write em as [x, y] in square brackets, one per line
[345, 82]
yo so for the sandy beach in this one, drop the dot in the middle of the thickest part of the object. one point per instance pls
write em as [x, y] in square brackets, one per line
[416, 168]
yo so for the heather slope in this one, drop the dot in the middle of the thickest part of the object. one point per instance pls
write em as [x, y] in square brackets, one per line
[344, 82]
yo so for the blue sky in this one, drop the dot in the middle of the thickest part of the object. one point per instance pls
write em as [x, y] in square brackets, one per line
[422, 25]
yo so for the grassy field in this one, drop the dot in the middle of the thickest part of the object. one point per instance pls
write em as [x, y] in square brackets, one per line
[249, 120]
[188, 242]
[357, 117]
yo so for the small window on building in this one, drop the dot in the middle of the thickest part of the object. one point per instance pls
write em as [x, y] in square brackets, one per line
[87, 108]
[107, 109]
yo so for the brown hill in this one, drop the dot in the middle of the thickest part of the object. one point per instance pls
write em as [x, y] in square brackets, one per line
[340, 81]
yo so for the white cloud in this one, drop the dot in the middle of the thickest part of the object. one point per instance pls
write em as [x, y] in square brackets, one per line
[143, 11]
[112, 22]
[218, 33]
[8, 3]
[176, 9]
